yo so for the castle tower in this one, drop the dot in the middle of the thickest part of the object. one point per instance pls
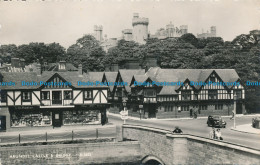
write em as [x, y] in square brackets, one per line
[98, 32]
[184, 29]
[128, 34]
[140, 28]
[213, 31]
[170, 30]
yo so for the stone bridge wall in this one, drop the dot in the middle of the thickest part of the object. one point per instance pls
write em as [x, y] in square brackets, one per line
[188, 149]
[84, 153]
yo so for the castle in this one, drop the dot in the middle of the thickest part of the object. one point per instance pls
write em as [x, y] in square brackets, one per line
[139, 33]
[212, 33]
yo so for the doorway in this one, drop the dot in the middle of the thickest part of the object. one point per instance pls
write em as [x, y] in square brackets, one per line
[57, 119]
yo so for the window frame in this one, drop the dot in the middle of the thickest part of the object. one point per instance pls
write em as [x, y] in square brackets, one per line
[70, 95]
[3, 96]
[91, 95]
[48, 94]
[29, 96]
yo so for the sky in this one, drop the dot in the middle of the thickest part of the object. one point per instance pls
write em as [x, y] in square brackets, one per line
[64, 21]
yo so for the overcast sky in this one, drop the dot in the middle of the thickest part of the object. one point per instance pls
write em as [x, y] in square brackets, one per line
[65, 21]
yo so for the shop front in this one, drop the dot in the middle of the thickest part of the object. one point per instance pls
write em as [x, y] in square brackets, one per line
[30, 116]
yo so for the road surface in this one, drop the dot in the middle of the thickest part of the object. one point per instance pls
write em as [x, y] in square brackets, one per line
[199, 127]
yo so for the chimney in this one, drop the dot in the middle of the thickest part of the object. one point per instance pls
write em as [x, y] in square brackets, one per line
[38, 69]
[80, 69]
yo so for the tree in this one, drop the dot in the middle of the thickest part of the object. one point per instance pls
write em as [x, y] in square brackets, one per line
[189, 38]
[88, 52]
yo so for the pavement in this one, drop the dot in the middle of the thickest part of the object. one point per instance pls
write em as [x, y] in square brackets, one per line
[187, 118]
[246, 128]
[50, 129]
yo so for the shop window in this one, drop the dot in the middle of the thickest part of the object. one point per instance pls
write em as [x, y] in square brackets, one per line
[67, 95]
[213, 94]
[219, 107]
[88, 95]
[185, 108]
[45, 95]
[26, 96]
[81, 117]
[203, 107]
[3, 96]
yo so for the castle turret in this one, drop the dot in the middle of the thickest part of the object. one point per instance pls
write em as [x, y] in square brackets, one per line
[184, 29]
[170, 30]
[98, 32]
[140, 28]
[213, 31]
[128, 34]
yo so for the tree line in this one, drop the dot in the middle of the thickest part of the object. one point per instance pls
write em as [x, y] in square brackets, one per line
[186, 52]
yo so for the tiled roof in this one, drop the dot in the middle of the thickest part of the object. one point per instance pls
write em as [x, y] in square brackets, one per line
[127, 75]
[111, 77]
[196, 75]
[73, 77]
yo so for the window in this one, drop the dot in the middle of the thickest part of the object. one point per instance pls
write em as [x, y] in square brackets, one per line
[67, 95]
[203, 107]
[219, 107]
[45, 95]
[185, 95]
[212, 79]
[195, 97]
[3, 96]
[238, 93]
[26, 96]
[213, 94]
[87, 95]
[185, 108]
[149, 93]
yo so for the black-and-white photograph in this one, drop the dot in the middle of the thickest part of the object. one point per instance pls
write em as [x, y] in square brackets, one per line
[129, 82]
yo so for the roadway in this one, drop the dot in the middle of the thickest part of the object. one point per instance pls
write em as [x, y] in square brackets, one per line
[199, 127]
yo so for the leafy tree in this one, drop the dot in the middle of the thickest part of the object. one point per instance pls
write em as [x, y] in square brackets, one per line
[88, 52]
[189, 38]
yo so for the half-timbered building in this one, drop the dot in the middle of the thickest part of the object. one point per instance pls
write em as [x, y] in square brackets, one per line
[200, 89]
[53, 98]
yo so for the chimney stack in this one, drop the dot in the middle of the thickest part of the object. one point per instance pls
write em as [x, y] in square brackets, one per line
[38, 69]
[80, 69]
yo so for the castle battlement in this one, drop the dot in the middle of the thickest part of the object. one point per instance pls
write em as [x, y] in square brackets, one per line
[136, 21]
[98, 28]
[184, 27]
[128, 31]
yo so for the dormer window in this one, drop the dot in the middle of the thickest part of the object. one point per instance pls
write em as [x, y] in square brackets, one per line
[62, 65]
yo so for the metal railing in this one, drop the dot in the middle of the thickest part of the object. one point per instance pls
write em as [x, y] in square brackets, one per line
[96, 133]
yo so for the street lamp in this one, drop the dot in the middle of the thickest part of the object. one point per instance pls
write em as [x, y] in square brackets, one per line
[140, 112]
[124, 105]
[235, 109]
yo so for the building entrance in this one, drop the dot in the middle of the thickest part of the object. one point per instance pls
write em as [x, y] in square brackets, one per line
[57, 119]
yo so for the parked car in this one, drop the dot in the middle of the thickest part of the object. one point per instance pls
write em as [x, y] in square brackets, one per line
[216, 121]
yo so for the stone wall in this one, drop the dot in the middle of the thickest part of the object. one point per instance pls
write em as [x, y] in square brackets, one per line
[188, 149]
[85, 153]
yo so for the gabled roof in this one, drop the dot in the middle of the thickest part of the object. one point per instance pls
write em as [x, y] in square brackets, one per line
[127, 75]
[70, 76]
[111, 77]
[196, 75]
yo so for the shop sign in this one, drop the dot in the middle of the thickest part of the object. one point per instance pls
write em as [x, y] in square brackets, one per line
[25, 107]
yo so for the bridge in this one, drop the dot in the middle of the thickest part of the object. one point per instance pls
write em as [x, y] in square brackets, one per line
[158, 146]
[135, 144]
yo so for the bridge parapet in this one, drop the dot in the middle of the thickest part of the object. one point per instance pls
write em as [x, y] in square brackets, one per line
[188, 149]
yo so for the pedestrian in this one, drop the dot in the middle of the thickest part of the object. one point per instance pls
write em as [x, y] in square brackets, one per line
[195, 114]
[177, 130]
[218, 135]
[233, 115]
[212, 134]
[191, 112]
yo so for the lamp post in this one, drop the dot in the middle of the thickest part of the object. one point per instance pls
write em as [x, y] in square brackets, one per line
[140, 111]
[124, 105]
[235, 109]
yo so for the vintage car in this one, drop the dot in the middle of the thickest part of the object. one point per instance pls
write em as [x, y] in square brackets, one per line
[216, 121]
